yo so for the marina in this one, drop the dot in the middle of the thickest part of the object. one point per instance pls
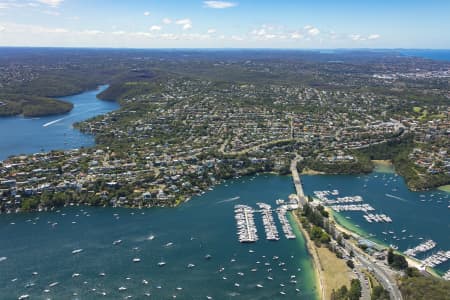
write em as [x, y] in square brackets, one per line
[417, 217]
[246, 228]
[247, 231]
[377, 218]
[287, 229]
[423, 247]
[436, 259]
[268, 221]
[203, 260]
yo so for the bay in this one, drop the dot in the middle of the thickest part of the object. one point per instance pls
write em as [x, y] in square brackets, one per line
[437, 54]
[19, 135]
[417, 216]
[43, 243]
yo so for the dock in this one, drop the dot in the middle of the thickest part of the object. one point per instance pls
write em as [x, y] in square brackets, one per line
[245, 222]
[268, 221]
[285, 225]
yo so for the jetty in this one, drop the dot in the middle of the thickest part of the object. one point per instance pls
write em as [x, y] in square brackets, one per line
[268, 221]
[246, 227]
[285, 225]
[423, 247]
[436, 259]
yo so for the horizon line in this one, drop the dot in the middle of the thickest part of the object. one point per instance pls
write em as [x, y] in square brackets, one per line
[224, 48]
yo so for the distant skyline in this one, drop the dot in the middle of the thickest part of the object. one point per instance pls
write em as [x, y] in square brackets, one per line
[226, 24]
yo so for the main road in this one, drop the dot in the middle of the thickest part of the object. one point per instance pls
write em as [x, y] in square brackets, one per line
[386, 280]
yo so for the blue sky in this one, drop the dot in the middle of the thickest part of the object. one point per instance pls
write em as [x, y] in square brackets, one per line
[219, 24]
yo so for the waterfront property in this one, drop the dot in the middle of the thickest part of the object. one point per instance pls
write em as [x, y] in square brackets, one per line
[417, 216]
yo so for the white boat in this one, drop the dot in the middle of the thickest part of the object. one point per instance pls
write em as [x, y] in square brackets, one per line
[259, 285]
[190, 266]
[168, 244]
[76, 251]
[122, 288]
[151, 238]
[144, 281]
[75, 275]
[117, 242]
[3, 258]
[53, 284]
[237, 284]
[161, 264]
[23, 297]
[136, 260]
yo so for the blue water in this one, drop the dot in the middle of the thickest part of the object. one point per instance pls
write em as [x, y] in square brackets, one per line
[422, 214]
[430, 54]
[205, 225]
[19, 135]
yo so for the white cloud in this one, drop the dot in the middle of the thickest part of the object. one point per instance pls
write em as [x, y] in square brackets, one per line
[373, 37]
[119, 32]
[91, 32]
[237, 38]
[155, 28]
[2, 28]
[211, 31]
[219, 4]
[296, 36]
[185, 23]
[53, 3]
[167, 21]
[147, 13]
[312, 31]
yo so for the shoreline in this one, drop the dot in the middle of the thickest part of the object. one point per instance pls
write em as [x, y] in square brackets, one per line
[315, 258]
[412, 262]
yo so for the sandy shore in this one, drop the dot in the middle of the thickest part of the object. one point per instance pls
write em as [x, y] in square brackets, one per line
[445, 188]
[316, 261]
[307, 171]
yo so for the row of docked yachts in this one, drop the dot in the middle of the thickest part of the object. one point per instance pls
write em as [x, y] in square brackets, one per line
[245, 221]
[436, 259]
[285, 225]
[423, 247]
[269, 222]
[377, 218]
[246, 228]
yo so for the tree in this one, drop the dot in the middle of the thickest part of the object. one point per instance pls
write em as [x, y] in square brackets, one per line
[390, 256]
[379, 293]
[350, 264]
[355, 290]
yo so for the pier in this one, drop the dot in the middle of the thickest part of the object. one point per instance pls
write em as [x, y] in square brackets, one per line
[268, 221]
[245, 224]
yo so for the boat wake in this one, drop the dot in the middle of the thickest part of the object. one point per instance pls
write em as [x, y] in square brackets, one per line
[230, 200]
[395, 197]
[52, 122]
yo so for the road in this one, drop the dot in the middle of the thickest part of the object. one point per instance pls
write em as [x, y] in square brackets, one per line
[386, 280]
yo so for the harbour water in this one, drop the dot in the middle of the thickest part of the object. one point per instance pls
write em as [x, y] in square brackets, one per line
[436, 54]
[181, 237]
[19, 135]
[416, 216]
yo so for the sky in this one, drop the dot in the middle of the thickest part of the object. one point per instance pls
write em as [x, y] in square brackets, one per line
[298, 24]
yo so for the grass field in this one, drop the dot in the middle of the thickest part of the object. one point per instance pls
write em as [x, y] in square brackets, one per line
[336, 273]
